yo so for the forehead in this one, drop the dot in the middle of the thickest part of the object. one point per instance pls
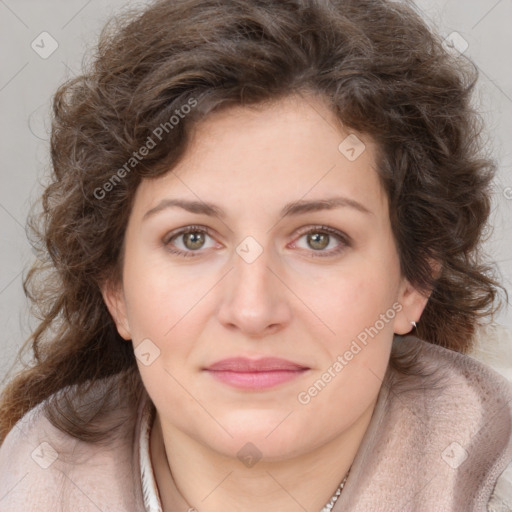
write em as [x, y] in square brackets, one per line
[267, 155]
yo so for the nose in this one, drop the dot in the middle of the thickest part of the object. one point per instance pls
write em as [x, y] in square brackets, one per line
[254, 297]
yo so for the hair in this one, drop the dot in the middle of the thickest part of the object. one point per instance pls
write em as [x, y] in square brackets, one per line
[375, 64]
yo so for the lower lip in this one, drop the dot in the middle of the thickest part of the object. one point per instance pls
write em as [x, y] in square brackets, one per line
[256, 380]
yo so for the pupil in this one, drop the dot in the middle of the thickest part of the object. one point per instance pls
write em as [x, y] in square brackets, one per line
[318, 241]
[194, 240]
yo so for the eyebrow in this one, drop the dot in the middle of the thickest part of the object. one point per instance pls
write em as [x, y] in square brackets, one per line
[290, 209]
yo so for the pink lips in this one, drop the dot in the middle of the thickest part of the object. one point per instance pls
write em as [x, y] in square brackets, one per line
[263, 373]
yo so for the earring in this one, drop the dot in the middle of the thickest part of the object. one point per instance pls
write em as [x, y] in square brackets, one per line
[413, 324]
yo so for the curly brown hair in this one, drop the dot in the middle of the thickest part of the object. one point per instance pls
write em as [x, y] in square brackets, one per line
[378, 67]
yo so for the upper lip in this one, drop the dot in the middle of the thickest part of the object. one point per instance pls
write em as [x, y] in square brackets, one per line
[263, 364]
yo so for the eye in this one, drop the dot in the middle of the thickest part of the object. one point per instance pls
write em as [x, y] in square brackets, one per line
[188, 241]
[323, 241]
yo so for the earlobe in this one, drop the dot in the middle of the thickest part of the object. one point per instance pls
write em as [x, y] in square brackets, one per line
[115, 302]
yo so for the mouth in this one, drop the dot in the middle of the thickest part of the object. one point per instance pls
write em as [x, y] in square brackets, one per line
[255, 374]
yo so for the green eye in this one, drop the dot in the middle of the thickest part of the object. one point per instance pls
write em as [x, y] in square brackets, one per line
[189, 241]
[323, 241]
[193, 240]
[318, 241]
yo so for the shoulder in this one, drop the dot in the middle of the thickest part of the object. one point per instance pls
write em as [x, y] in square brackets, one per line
[467, 402]
[43, 468]
[469, 376]
[26, 460]
[473, 391]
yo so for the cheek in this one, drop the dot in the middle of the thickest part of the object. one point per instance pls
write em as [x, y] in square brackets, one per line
[359, 308]
[160, 297]
[168, 307]
[352, 299]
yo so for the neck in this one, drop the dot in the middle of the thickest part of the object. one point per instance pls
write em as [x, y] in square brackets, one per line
[195, 476]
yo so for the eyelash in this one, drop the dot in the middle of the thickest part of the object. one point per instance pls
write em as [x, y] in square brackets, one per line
[343, 239]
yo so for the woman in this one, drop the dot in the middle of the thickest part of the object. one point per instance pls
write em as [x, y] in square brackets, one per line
[253, 205]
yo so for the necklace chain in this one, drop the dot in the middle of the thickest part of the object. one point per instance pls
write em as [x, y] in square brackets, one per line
[335, 496]
[326, 508]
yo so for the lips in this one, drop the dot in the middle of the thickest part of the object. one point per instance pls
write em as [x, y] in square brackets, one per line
[266, 364]
[255, 374]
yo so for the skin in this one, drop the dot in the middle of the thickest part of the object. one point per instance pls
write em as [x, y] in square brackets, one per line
[290, 303]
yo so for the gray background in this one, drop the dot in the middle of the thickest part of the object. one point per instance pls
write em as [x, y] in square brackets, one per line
[28, 81]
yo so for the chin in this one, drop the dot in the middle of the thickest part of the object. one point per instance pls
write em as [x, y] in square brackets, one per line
[251, 449]
[262, 435]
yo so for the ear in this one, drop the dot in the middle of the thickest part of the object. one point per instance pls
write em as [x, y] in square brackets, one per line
[413, 303]
[116, 304]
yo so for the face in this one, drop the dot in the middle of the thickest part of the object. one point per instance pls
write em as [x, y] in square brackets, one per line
[261, 282]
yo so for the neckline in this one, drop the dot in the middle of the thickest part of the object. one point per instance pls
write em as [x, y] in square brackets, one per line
[151, 497]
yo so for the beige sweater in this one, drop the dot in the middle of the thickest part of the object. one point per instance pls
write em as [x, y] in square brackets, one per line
[433, 445]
